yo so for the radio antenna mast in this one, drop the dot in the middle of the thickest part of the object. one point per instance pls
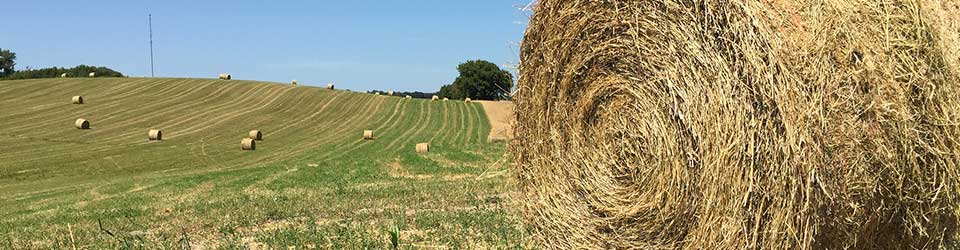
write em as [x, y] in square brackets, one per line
[150, 20]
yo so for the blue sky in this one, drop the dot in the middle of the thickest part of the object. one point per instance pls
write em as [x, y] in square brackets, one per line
[358, 44]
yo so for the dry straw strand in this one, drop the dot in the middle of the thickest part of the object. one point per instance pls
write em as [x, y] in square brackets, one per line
[739, 124]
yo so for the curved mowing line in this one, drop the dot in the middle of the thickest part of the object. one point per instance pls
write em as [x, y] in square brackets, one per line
[104, 146]
[59, 102]
[174, 109]
[139, 112]
[443, 124]
[469, 123]
[478, 114]
[107, 147]
[410, 129]
[57, 116]
[319, 111]
[460, 124]
[273, 97]
[332, 135]
[246, 95]
[357, 144]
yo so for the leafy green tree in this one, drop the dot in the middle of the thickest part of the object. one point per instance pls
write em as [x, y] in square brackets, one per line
[7, 62]
[480, 80]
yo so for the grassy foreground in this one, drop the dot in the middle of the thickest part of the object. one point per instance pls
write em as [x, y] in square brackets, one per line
[312, 182]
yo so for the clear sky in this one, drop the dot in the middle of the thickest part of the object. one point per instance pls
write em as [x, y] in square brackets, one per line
[356, 44]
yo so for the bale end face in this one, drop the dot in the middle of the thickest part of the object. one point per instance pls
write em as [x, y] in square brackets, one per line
[78, 99]
[368, 134]
[82, 124]
[255, 135]
[423, 148]
[248, 144]
[155, 135]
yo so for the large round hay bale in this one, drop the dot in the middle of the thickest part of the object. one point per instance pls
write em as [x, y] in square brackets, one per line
[468, 100]
[78, 99]
[330, 86]
[423, 148]
[390, 93]
[739, 125]
[82, 124]
[368, 134]
[64, 75]
[248, 144]
[434, 98]
[255, 134]
[155, 135]
[225, 77]
[446, 99]
[408, 97]
[93, 74]
[294, 82]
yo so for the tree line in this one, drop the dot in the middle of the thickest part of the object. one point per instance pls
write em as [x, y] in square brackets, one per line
[8, 70]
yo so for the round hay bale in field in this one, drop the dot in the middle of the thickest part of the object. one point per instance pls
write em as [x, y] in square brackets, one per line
[446, 99]
[255, 134]
[330, 86]
[64, 75]
[423, 148]
[739, 124]
[93, 74]
[155, 135]
[435, 98]
[224, 77]
[468, 100]
[248, 144]
[294, 82]
[408, 97]
[368, 134]
[78, 99]
[390, 93]
[82, 124]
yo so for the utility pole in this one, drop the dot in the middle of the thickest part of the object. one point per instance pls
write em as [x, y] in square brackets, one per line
[150, 20]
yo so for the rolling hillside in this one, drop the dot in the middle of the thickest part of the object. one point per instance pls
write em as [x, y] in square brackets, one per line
[311, 182]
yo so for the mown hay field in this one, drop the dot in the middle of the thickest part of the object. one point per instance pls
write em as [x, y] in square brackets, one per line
[312, 182]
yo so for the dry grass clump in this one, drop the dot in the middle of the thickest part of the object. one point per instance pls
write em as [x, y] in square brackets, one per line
[82, 124]
[224, 77]
[423, 148]
[740, 125]
[155, 135]
[248, 144]
[78, 99]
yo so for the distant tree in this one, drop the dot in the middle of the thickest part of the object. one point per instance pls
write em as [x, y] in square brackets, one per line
[480, 80]
[7, 62]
